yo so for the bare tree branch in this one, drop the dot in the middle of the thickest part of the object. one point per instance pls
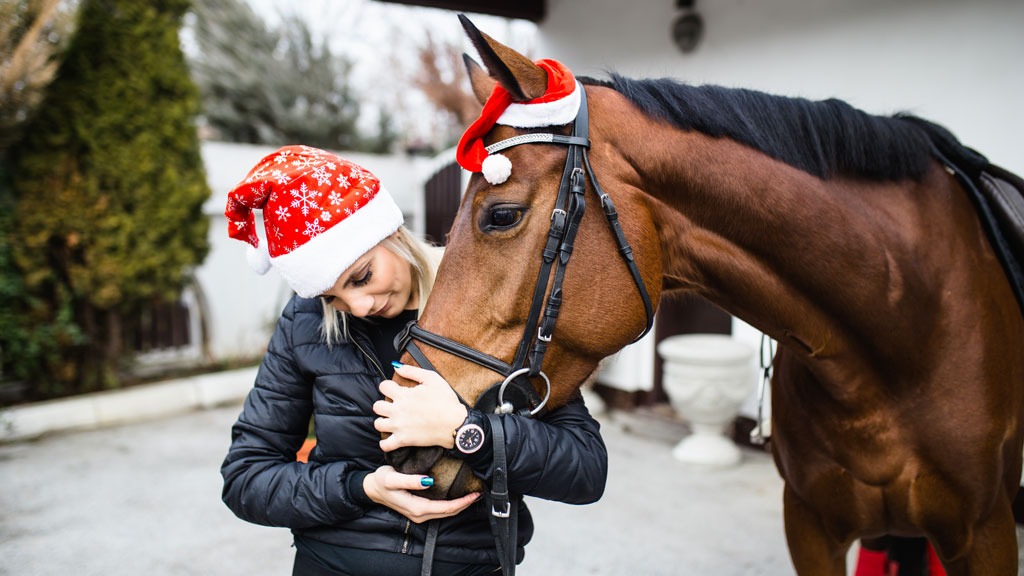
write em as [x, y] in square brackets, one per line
[32, 34]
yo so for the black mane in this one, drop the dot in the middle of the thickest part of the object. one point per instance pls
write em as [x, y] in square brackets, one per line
[824, 138]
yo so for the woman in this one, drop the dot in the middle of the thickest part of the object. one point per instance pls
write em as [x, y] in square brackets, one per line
[359, 277]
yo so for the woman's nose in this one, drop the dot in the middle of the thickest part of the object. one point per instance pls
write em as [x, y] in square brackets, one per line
[359, 305]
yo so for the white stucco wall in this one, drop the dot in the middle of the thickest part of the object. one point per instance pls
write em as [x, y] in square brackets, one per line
[242, 306]
[957, 63]
[960, 64]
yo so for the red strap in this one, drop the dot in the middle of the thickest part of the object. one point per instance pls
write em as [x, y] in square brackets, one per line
[871, 563]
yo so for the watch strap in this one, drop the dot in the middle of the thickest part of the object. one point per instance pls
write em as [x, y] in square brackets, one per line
[473, 416]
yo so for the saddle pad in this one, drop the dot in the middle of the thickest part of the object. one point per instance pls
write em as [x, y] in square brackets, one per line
[1000, 200]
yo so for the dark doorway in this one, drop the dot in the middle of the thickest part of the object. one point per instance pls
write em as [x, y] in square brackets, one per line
[443, 191]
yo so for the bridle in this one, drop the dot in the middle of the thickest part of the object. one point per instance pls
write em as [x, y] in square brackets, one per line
[515, 394]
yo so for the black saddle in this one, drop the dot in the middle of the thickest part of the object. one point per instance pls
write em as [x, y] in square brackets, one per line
[1003, 192]
[997, 195]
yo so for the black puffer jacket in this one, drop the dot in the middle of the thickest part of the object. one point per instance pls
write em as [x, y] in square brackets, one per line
[560, 458]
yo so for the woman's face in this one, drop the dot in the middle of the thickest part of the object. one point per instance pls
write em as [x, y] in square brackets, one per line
[379, 283]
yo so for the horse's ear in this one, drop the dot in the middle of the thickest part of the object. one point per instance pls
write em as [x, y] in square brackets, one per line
[523, 79]
[482, 84]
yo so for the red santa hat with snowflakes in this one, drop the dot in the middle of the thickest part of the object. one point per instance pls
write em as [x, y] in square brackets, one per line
[320, 214]
[557, 106]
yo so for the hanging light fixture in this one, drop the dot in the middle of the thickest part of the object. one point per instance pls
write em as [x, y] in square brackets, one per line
[688, 26]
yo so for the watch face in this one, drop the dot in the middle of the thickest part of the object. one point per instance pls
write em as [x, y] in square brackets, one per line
[469, 439]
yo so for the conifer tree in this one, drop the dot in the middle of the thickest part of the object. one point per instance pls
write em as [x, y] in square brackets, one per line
[32, 35]
[108, 190]
[276, 85]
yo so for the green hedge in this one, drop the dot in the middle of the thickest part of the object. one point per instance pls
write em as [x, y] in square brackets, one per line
[106, 191]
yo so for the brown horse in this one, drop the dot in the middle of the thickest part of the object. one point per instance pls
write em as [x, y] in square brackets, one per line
[898, 388]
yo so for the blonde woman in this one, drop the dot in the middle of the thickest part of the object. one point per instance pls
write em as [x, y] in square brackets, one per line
[336, 236]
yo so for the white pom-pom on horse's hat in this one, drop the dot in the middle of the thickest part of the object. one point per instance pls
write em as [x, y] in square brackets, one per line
[320, 213]
[496, 168]
[557, 106]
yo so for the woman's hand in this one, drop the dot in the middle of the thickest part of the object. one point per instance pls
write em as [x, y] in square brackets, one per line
[391, 488]
[424, 415]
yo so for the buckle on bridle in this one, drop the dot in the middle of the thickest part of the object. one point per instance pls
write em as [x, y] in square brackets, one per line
[575, 180]
[560, 213]
[541, 336]
[502, 513]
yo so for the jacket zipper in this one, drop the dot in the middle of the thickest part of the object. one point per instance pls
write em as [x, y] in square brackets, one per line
[405, 530]
[405, 542]
[368, 356]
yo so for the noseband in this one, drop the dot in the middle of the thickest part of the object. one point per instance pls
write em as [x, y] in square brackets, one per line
[515, 393]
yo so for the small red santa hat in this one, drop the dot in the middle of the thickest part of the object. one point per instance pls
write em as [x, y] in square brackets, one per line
[558, 106]
[320, 213]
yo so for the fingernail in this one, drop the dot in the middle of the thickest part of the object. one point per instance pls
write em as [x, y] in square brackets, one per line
[397, 364]
[428, 481]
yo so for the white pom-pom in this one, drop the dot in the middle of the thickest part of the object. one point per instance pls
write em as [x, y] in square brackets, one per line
[259, 258]
[496, 168]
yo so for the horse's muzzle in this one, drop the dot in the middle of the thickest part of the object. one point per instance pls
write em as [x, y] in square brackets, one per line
[452, 477]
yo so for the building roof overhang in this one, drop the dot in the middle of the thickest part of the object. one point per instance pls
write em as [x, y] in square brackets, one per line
[533, 10]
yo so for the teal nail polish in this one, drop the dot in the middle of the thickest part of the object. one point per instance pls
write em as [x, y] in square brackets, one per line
[428, 481]
[397, 364]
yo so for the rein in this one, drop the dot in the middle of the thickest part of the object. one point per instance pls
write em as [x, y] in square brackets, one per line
[515, 394]
[762, 431]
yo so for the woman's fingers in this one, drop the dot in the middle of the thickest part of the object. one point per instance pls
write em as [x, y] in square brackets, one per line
[390, 389]
[383, 408]
[424, 415]
[418, 374]
[411, 372]
[395, 480]
[395, 490]
[390, 443]
[421, 509]
[460, 504]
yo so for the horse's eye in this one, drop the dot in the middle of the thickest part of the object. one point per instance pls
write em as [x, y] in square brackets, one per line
[501, 217]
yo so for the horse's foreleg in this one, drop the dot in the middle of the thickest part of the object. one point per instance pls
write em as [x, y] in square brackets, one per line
[993, 548]
[812, 550]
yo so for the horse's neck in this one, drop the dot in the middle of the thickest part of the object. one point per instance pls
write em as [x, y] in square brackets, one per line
[796, 256]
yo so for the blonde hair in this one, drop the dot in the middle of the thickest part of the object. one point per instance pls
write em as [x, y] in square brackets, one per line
[423, 259]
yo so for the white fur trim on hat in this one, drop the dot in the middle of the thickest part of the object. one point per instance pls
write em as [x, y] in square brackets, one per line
[258, 258]
[316, 265]
[496, 168]
[554, 113]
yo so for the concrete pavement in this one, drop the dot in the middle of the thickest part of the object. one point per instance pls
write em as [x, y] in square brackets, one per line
[144, 498]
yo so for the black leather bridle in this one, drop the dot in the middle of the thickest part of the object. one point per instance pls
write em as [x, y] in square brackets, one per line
[565, 221]
[515, 394]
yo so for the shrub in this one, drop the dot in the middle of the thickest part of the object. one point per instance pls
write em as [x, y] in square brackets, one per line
[108, 188]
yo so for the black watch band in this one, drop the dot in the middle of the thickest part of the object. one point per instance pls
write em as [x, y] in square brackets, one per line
[471, 435]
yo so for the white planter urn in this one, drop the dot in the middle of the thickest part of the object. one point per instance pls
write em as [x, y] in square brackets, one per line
[707, 378]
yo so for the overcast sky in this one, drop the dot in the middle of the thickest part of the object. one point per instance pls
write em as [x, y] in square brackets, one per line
[377, 35]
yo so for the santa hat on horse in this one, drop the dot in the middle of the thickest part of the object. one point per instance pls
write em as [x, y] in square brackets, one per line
[557, 106]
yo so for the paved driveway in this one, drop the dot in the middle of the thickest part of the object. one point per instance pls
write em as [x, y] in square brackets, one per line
[145, 499]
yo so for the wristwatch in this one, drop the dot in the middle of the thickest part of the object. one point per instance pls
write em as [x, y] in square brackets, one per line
[470, 436]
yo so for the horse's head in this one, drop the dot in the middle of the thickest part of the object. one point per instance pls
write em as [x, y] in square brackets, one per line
[486, 283]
